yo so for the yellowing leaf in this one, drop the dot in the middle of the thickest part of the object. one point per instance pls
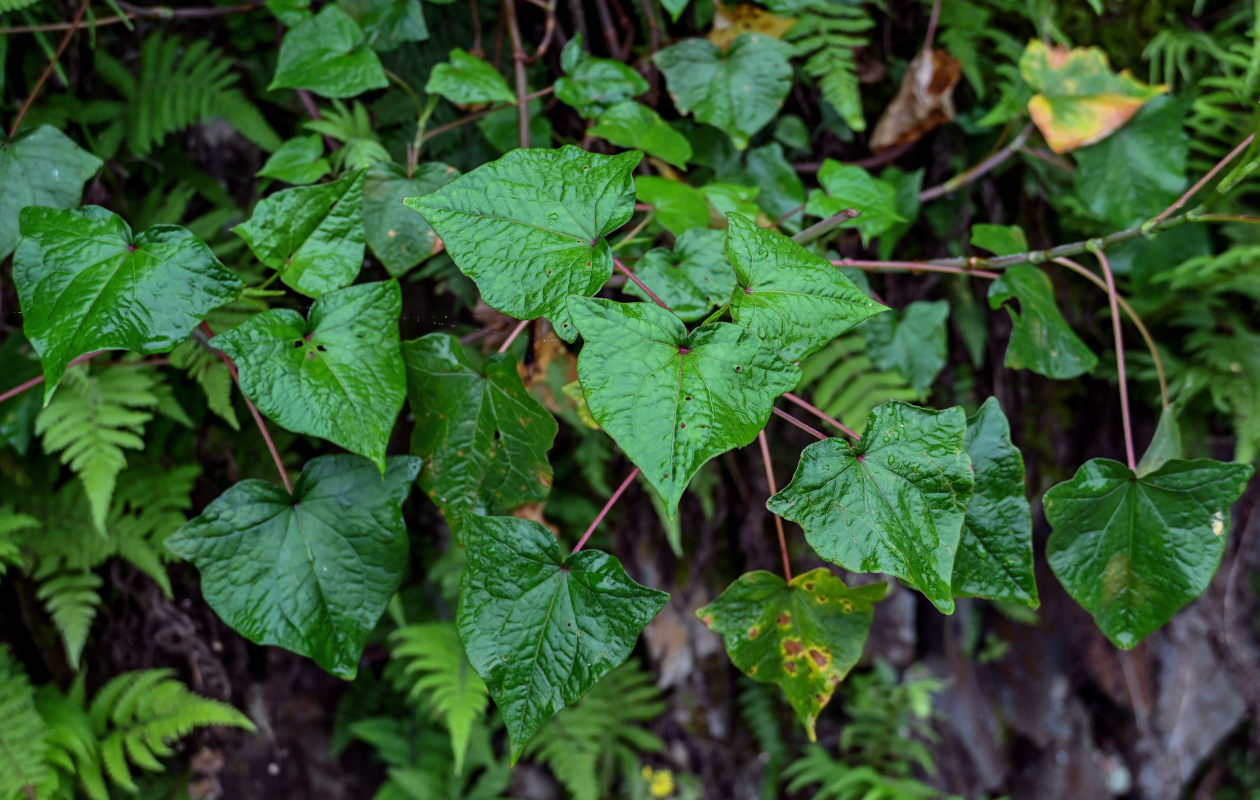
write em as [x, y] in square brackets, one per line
[729, 22]
[1079, 99]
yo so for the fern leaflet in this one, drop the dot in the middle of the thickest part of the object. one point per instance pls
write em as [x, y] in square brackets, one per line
[11, 522]
[845, 383]
[16, 5]
[825, 36]
[23, 736]
[71, 600]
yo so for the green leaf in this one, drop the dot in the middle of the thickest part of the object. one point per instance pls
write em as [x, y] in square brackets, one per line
[906, 189]
[397, 236]
[43, 167]
[788, 296]
[782, 192]
[542, 627]
[17, 414]
[995, 556]
[635, 126]
[846, 186]
[467, 80]
[1165, 444]
[737, 91]
[337, 375]
[310, 572]
[388, 24]
[483, 439]
[677, 206]
[805, 635]
[327, 54]
[1001, 240]
[912, 342]
[1079, 99]
[692, 278]
[894, 503]
[675, 8]
[1040, 339]
[593, 85]
[299, 160]
[86, 283]
[1132, 550]
[1139, 170]
[312, 235]
[530, 227]
[672, 399]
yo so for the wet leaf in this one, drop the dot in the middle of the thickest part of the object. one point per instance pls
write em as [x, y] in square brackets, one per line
[327, 54]
[1041, 339]
[42, 167]
[467, 80]
[693, 278]
[634, 125]
[593, 85]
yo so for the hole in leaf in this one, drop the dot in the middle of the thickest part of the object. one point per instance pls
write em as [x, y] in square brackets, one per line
[297, 342]
[739, 369]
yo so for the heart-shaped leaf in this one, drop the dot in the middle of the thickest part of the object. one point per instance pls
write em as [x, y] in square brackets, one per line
[634, 125]
[310, 572]
[786, 294]
[467, 80]
[484, 440]
[42, 167]
[337, 375]
[539, 626]
[530, 227]
[86, 283]
[398, 236]
[327, 54]
[691, 279]
[1134, 549]
[1040, 337]
[893, 503]
[298, 161]
[995, 556]
[847, 186]
[593, 85]
[804, 636]
[312, 235]
[672, 399]
[910, 341]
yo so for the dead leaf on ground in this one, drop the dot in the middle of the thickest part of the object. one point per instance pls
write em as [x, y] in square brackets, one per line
[729, 23]
[925, 100]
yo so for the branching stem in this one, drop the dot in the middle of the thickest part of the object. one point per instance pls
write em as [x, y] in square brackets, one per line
[52, 64]
[817, 434]
[822, 415]
[511, 337]
[36, 381]
[642, 286]
[603, 512]
[1115, 329]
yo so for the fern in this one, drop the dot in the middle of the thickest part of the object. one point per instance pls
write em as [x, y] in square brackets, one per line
[825, 36]
[211, 374]
[361, 148]
[71, 599]
[845, 383]
[440, 676]
[757, 709]
[138, 715]
[90, 420]
[420, 765]
[23, 734]
[11, 523]
[73, 750]
[177, 86]
[587, 744]
[841, 781]
[16, 5]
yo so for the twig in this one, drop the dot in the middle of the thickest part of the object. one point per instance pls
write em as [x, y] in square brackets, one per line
[549, 31]
[913, 266]
[642, 286]
[1115, 329]
[518, 64]
[476, 115]
[933, 19]
[520, 326]
[253, 412]
[52, 64]
[778, 521]
[603, 512]
[979, 170]
[803, 426]
[1201, 182]
[822, 227]
[643, 223]
[822, 415]
[159, 13]
[36, 381]
[1133, 317]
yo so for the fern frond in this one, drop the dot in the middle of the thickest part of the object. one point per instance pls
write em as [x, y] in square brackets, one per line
[757, 709]
[139, 715]
[23, 733]
[11, 522]
[212, 375]
[845, 383]
[16, 5]
[71, 599]
[90, 420]
[361, 147]
[149, 506]
[73, 749]
[583, 743]
[826, 36]
[440, 676]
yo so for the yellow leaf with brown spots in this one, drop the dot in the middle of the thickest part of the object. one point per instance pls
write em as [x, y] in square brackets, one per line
[1079, 99]
[805, 635]
[731, 21]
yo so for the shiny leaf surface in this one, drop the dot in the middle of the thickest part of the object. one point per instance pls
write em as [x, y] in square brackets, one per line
[43, 167]
[327, 54]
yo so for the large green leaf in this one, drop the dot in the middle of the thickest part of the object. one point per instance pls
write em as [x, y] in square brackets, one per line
[911, 341]
[672, 399]
[1040, 338]
[794, 300]
[738, 90]
[893, 503]
[593, 85]
[1133, 550]
[337, 375]
[466, 80]
[43, 167]
[310, 572]
[995, 556]
[846, 186]
[692, 278]
[312, 235]
[539, 626]
[530, 227]
[327, 54]
[634, 125]
[483, 439]
[397, 236]
[805, 635]
[86, 283]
